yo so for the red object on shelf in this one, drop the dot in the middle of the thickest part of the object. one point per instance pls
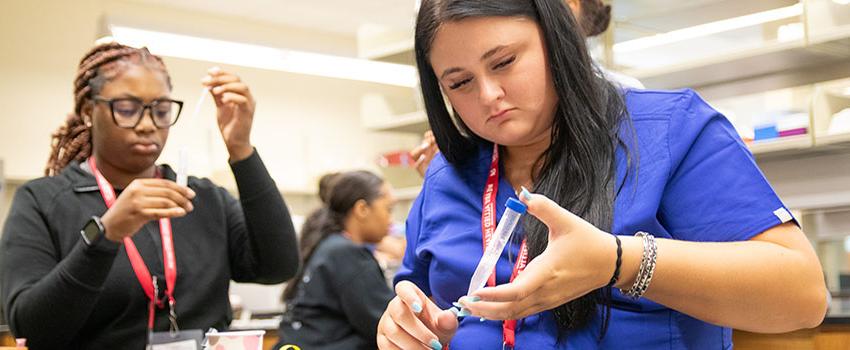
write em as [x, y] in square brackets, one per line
[396, 159]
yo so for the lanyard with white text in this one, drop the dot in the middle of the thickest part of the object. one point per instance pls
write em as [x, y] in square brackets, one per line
[148, 283]
[488, 228]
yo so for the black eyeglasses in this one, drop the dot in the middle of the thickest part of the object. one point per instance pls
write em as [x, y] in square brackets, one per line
[127, 112]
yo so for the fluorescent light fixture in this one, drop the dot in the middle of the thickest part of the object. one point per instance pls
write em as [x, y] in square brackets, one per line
[264, 57]
[709, 28]
[841, 2]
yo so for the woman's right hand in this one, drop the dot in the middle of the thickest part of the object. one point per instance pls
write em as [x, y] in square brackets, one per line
[413, 321]
[142, 201]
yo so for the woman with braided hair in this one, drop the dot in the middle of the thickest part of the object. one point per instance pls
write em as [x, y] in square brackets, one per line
[108, 251]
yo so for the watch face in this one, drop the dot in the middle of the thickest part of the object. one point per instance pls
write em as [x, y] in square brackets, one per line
[91, 231]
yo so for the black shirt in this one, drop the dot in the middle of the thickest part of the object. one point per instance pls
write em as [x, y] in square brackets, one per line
[339, 300]
[59, 293]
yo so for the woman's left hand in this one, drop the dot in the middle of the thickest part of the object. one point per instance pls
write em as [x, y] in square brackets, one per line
[235, 111]
[578, 259]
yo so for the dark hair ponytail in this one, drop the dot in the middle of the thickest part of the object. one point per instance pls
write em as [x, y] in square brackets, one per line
[339, 193]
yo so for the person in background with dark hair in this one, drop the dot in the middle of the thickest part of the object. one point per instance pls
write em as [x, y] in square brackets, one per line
[82, 269]
[315, 220]
[388, 251]
[335, 301]
[592, 16]
[612, 170]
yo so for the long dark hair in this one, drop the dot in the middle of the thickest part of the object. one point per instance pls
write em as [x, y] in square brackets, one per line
[339, 193]
[578, 168]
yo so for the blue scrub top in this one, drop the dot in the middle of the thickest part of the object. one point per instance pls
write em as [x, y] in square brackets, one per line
[696, 181]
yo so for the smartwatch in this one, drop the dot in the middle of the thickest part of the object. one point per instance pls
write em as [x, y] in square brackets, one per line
[93, 231]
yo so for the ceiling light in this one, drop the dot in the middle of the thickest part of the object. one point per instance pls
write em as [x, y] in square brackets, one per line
[264, 57]
[709, 28]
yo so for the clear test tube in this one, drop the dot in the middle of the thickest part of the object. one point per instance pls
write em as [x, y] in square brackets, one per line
[513, 211]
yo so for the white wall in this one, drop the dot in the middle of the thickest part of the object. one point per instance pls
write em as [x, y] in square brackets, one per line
[304, 125]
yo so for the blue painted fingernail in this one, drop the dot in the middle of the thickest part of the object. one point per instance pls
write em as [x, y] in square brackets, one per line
[463, 313]
[417, 308]
[435, 344]
[525, 194]
[473, 299]
[454, 310]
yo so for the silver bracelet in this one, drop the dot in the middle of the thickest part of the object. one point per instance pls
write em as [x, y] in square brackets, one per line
[647, 267]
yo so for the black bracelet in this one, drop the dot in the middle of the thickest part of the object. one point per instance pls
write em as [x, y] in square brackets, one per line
[616, 276]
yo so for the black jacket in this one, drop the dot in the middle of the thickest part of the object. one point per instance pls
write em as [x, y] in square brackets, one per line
[61, 294]
[339, 300]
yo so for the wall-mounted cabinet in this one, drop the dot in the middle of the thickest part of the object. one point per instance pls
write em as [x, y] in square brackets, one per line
[724, 41]
[831, 113]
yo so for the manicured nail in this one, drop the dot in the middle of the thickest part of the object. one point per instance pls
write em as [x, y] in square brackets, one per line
[458, 305]
[435, 344]
[525, 194]
[454, 310]
[471, 299]
[417, 307]
[463, 313]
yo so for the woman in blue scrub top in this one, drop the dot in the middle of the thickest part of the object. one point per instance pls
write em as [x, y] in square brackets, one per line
[605, 164]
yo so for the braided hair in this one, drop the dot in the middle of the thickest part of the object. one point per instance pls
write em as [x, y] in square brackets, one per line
[72, 141]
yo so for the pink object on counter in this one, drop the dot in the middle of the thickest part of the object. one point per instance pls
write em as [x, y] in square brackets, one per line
[793, 132]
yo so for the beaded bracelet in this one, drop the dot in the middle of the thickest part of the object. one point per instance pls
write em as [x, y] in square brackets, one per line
[647, 267]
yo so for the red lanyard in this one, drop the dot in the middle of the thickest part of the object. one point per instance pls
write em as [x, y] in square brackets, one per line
[488, 227]
[148, 283]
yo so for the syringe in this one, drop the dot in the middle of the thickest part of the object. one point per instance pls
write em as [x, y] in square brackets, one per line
[514, 209]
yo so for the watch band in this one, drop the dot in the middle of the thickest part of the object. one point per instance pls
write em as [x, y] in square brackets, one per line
[93, 231]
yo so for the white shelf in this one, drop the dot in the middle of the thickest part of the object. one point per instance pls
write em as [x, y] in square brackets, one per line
[781, 146]
[394, 46]
[414, 122]
[799, 147]
[768, 59]
[833, 140]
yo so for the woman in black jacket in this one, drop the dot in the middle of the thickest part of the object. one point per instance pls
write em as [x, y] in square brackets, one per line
[335, 302]
[80, 268]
